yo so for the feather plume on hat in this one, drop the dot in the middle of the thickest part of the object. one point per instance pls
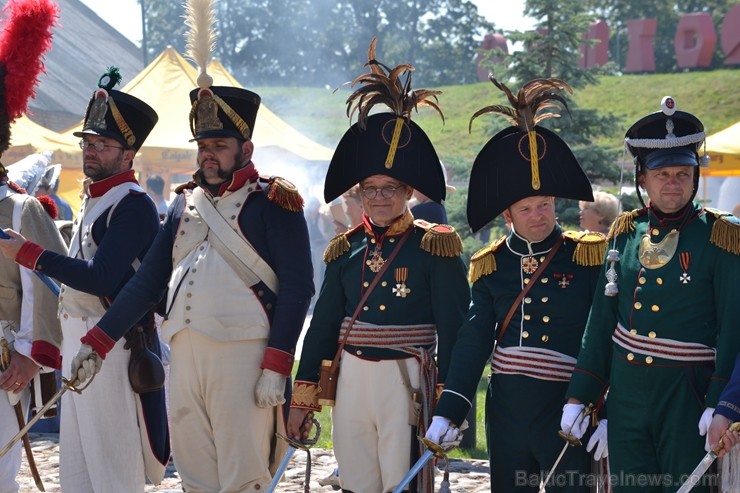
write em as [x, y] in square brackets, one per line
[26, 36]
[200, 17]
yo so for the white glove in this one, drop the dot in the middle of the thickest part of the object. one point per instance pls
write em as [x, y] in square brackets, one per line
[86, 364]
[704, 422]
[270, 391]
[574, 421]
[441, 431]
[598, 440]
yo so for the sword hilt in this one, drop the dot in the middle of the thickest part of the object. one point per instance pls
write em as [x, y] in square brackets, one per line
[570, 438]
[721, 445]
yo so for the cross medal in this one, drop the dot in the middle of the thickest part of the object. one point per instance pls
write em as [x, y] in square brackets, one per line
[376, 261]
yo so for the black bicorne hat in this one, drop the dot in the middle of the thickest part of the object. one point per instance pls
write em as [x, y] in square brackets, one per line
[118, 115]
[507, 169]
[666, 138]
[222, 111]
[386, 143]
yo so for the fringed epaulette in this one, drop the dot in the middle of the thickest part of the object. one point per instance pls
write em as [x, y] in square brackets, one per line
[440, 240]
[191, 185]
[725, 231]
[624, 223]
[284, 194]
[590, 247]
[483, 263]
[339, 245]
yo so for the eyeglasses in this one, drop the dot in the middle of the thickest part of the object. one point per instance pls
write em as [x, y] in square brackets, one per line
[98, 145]
[386, 192]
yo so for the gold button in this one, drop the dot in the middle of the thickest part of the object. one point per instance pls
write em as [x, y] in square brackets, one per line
[545, 299]
[358, 352]
[525, 334]
[546, 319]
[268, 306]
[372, 240]
[642, 280]
[655, 232]
[261, 292]
[659, 280]
[392, 240]
[189, 295]
[365, 284]
[649, 360]
[651, 335]
[638, 305]
[384, 283]
[630, 357]
[526, 280]
[655, 308]
[365, 308]
[527, 317]
[545, 338]
[633, 332]
[382, 308]
[528, 300]
[542, 259]
[544, 280]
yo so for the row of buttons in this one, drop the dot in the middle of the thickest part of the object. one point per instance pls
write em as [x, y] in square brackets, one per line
[638, 306]
[648, 360]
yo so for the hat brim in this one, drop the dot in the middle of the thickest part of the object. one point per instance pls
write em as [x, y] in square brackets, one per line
[101, 133]
[677, 156]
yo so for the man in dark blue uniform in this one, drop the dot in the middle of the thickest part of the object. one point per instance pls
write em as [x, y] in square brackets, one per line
[101, 447]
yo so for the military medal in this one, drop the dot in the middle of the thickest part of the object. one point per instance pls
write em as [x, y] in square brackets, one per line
[402, 273]
[529, 265]
[656, 255]
[564, 279]
[376, 261]
[685, 259]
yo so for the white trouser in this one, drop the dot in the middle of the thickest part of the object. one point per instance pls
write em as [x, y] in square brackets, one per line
[220, 438]
[99, 441]
[10, 464]
[370, 423]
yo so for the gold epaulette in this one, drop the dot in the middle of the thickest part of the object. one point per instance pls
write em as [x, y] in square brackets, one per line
[624, 223]
[590, 247]
[284, 194]
[440, 240]
[725, 231]
[191, 185]
[483, 262]
[339, 245]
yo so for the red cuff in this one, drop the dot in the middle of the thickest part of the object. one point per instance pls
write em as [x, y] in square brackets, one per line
[46, 354]
[99, 340]
[28, 255]
[277, 360]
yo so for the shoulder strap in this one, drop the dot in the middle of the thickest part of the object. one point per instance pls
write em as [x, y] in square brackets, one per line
[527, 287]
[17, 210]
[237, 245]
[369, 290]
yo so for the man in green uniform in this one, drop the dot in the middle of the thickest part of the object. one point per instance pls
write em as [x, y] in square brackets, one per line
[419, 301]
[531, 296]
[663, 339]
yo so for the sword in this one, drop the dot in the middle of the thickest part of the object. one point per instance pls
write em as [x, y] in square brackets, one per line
[433, 450]
[699, 470]
[570, 441]
[66, 385]
[27, 447]
[44, 278]
[294, 445]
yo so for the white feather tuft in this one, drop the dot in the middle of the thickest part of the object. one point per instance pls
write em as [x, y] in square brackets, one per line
[200, 17]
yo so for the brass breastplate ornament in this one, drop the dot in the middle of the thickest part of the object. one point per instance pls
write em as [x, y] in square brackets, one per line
[656, 255]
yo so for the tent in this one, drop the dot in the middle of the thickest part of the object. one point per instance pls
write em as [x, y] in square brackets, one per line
[724, 152]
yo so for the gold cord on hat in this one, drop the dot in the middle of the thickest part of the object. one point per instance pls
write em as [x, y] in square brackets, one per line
[121, 123]
[394, 143]
[237, 120]
[534, 159]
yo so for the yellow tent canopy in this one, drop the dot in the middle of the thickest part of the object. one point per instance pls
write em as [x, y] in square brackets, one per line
[724, 152]
[28, 137]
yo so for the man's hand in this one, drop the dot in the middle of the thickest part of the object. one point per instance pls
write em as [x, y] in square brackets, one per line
[19, 373]
[598, 440]
[717, 427]
[298, 428]
[574, 420]
[270, 391]
[704, 421]
[86, 364]
[11, 246]
[442, 432]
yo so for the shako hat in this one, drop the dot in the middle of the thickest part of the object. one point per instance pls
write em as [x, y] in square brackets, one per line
[525, 159]
[117, 115]
[386, 143]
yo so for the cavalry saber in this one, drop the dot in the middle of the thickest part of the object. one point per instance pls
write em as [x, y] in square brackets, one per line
[66, 385]
[294, 445]
[27, 447]
[570, 441]
[433, 449]
[44, 278]
[711, 456]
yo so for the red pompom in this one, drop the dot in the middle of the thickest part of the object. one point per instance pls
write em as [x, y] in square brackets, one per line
[49, 205]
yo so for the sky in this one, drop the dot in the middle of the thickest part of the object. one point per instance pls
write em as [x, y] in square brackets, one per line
[125, 15]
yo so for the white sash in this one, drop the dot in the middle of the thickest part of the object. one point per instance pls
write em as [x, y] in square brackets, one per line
[239, 247]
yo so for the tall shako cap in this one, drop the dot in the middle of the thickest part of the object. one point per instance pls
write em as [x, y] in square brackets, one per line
[117, 115]
[525, 159]
[666, 138]
[386, 143]
[221, 111]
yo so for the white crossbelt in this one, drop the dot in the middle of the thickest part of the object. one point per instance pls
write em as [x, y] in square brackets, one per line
[663, 348]
[540, 363]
